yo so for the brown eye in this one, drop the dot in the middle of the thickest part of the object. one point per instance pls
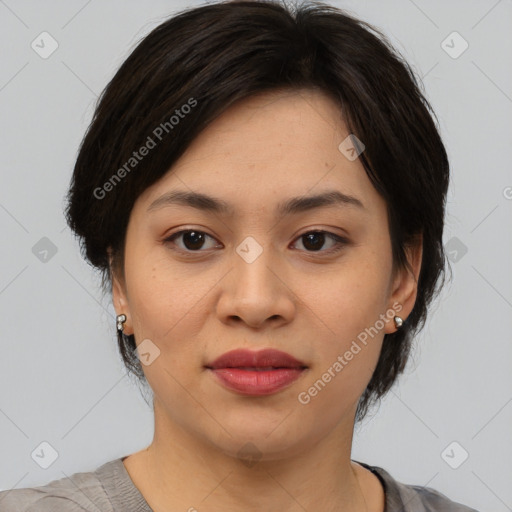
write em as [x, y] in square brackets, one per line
[192, 239]
[313, 241]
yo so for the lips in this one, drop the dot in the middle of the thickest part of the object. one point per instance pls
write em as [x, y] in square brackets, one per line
[256, 373]
[263, 359]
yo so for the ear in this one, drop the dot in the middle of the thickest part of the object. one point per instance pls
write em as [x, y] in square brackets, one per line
[405, 284]
[119, 295]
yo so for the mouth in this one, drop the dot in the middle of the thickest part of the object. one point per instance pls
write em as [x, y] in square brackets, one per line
[256, 373]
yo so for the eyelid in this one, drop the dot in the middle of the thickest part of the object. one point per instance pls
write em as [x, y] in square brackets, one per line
[170, 238]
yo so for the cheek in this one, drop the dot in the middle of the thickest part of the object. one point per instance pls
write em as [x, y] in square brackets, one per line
[170, 305]
[350, 333]
[346, 357]
[162, 296]
[353, 297]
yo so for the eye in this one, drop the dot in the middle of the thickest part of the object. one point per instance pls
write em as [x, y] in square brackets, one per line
[316, 239]
[193, 240]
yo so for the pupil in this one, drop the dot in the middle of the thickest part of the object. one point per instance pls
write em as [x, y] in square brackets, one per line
[196, 244]
[313, 235]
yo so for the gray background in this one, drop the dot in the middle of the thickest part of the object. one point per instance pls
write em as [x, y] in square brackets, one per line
[62, 380]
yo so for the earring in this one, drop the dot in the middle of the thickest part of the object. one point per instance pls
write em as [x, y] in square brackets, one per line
[120, 319]
[398, 322]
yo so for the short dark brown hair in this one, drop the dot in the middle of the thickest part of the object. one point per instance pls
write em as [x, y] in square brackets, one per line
[211, 56]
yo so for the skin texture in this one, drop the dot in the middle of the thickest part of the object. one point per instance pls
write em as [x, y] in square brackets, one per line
[199, 302]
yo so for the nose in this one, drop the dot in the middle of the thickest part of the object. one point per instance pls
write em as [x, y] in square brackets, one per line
[255, 291]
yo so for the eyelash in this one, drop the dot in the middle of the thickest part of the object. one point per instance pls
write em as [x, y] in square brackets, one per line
[340, 241]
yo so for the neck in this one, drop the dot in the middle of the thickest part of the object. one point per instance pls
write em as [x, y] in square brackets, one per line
[178, 471]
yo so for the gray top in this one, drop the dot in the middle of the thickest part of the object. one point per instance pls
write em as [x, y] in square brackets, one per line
[110, 489]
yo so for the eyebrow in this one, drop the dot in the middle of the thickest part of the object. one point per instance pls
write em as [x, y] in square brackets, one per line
[293, 205]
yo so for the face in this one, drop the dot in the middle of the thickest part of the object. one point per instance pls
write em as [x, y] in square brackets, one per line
[315, 281]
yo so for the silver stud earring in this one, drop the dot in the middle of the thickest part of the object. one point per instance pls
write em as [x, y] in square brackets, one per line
[398, 322]
[120, 319]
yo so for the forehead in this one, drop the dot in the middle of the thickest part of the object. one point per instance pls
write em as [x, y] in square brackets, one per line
[264, 151]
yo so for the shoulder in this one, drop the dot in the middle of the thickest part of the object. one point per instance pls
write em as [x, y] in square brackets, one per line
[36, 499]
[401, 497]
[426, 499]
[80, 492]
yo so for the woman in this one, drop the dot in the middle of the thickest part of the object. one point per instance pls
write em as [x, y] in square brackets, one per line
[263, 189]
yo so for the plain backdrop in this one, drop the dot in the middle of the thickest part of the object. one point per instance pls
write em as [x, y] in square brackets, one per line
[446, 424]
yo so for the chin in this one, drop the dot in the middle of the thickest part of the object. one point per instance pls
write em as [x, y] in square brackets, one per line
[255, 439]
